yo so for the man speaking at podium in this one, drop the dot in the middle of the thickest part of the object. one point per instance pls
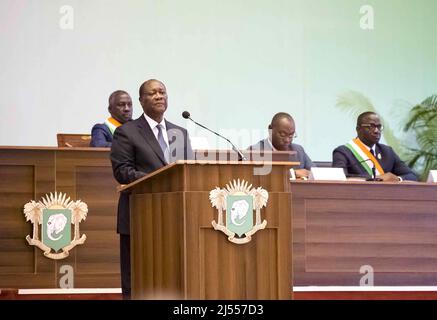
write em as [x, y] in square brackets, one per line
[140, 147]
[364, 156]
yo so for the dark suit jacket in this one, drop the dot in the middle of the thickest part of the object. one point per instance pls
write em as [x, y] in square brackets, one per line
[302, 157]
[342, 157]
[135, 152]
[101, 136]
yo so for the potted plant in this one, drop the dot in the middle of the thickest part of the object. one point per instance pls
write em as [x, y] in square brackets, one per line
[422, 121]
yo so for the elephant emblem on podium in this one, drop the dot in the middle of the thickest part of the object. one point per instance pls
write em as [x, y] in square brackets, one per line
[237, 202]
[56, 214]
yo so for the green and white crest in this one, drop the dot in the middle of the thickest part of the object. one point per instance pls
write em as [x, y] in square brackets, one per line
[56, 214]
[239, 201]
[56, 228]
[239, 214]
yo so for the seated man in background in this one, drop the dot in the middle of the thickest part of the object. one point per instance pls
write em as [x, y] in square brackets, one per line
[364, 156]
[120, 108]
[282, 130]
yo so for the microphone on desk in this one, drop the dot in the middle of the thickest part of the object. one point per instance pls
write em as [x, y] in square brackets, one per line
[373, 178]
[241, 157]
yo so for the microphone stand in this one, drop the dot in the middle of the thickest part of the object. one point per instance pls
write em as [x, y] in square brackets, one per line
[373, 178]
[241, 156]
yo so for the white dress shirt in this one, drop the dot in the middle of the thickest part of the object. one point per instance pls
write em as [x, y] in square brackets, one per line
[154, 126]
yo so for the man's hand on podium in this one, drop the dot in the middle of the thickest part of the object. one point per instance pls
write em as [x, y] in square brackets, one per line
[302, 174]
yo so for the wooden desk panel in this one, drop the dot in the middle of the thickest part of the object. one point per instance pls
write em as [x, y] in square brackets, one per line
[85, 174]
[337, 227]
[340, 227]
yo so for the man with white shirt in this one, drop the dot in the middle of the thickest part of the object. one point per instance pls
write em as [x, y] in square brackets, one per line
[140, 147]
[364, 156]
[282, 131]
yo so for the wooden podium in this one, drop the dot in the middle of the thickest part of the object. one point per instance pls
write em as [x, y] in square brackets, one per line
[177, 254]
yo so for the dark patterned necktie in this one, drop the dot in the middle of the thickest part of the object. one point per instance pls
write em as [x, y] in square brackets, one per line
[162, 144]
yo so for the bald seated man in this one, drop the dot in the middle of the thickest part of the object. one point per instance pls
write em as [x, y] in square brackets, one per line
[282, 131]
[120, 108]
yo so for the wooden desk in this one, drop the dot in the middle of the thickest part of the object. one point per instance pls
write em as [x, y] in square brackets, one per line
[28, 173]
[337, 227]
[341, 226]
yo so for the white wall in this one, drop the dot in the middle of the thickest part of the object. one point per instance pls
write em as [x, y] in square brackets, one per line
[232, 64]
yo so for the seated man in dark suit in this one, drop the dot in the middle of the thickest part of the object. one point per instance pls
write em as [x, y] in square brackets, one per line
[140, 147]
[120, 108]
[282, 130]
[364, 156]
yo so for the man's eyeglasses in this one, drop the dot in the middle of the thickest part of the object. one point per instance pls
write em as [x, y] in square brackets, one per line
[372, 126]
[285, 135]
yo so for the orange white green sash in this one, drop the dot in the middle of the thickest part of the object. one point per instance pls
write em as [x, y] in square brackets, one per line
[112, 124]
[362, 153]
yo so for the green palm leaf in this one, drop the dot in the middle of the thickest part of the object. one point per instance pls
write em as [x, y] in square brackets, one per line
[423, 123]
[354, 103]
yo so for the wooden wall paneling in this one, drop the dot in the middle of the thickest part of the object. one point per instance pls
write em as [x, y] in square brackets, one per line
[157, 238]
[87, 176]
[216, 260]
[25, 175]
[338, 230]
[32, 172]
[209, 176]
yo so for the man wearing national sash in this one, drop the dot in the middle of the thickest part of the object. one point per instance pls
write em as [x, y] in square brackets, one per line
[120, 108]
[365, 157]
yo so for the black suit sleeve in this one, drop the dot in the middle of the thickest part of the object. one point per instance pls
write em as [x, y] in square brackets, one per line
[343, 158]
[339, 160]
[123, 158]
[401, 169]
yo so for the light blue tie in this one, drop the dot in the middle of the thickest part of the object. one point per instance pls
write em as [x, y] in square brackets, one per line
[162, 144]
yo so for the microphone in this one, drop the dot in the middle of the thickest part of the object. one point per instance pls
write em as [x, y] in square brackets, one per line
[373, 178]
[241, 157]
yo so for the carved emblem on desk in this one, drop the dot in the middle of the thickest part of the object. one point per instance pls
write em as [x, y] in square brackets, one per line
[239, 201]
[55, 213]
